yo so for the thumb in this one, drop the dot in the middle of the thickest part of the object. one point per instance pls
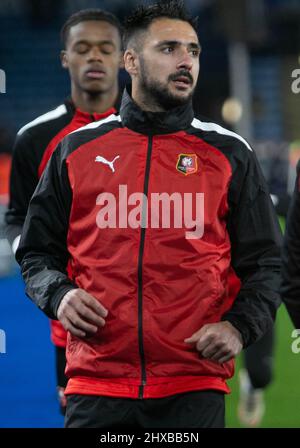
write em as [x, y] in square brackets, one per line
[192, 339]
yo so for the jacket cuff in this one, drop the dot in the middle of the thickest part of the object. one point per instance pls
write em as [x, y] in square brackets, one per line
[57, 298]
[241, 327]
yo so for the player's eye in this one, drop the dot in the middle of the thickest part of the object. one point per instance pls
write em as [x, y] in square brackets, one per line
[195, 53]
[168, 49]
[81, 49]
[107, 49]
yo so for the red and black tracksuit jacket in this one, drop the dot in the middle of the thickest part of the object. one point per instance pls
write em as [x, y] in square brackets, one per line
[158, 286]
[34, 146]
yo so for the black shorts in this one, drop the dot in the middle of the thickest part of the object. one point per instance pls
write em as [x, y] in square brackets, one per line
[198, 409]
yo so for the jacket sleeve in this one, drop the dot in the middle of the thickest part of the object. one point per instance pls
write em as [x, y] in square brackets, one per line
[290, 287]
[255, 241]
[42, 252]
[23, 181]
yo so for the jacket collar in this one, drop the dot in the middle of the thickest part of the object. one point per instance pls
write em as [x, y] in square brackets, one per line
[144, 122]
[85, 116]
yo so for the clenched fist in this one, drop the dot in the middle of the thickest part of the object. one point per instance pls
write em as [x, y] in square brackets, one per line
[218, 342]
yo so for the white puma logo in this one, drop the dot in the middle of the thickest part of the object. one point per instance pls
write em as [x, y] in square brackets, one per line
[107, 162]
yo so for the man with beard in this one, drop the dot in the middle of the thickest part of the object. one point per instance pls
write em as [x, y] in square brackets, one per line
[92, 54]
[154, 327]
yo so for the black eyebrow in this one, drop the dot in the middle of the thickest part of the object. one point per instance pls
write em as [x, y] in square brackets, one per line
[101, 42]
[193, 45]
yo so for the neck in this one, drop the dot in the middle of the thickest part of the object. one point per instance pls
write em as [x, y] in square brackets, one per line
[95, 102]
[144, 101]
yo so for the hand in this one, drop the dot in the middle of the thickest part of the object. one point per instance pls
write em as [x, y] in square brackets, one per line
[218, 342]
[80, 313]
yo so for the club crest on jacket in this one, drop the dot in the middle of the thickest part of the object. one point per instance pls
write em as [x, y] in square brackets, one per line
[187, 164]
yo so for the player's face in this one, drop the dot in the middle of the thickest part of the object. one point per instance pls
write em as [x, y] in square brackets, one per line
[92, 56]
[169, 61]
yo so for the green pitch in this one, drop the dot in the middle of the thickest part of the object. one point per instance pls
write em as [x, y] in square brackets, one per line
[282, 397]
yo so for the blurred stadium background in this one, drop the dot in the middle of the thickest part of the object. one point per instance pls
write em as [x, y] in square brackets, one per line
[250, 53]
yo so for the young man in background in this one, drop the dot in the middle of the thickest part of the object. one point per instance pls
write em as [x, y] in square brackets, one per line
[92, 42]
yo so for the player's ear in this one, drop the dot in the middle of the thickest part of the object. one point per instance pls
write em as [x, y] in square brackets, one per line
[131, 62]
[64, 59]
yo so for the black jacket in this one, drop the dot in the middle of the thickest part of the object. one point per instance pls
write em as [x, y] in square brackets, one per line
[33, 148]
[290, 287]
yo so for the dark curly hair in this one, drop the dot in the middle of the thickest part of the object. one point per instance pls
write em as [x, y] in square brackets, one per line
[143, 16]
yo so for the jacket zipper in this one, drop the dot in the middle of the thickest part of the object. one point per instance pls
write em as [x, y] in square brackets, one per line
[140, 274]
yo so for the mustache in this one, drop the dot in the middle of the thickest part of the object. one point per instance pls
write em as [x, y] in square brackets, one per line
[183, 72]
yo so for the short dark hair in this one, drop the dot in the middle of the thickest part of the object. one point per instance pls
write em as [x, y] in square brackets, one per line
[143, 16]
[89, 14]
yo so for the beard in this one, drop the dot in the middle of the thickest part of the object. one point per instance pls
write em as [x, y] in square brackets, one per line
[156, 92]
